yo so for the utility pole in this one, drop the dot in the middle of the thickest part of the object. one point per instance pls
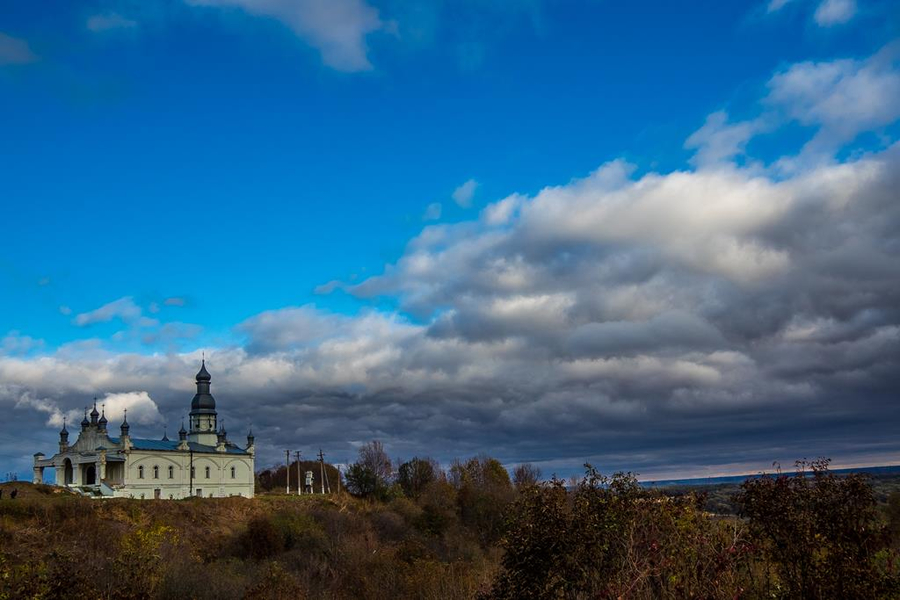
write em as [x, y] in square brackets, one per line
[322, 471]
[191, 491]
[287, 471]
[299, 487]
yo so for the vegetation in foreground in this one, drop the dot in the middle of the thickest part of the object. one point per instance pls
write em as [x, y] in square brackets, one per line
[473, 531]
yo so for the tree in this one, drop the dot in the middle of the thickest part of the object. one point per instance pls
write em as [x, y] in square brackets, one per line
[361, 481]
[415, 474]
[370, 475]
[526, 475]
[820, 531]
[483, 492]
[373, 457]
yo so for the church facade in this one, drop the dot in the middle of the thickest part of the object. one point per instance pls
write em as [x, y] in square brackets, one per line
[202, 462]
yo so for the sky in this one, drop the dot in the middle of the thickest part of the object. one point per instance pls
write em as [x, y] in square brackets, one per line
[661, 237]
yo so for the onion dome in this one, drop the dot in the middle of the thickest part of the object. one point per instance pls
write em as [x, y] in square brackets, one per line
[125, 425]
[165, 437]
[182, 433]
[63, 433]
[203, 402]
[203, 374]
[85, 422]
[94, 413]
[250, 437]
[103, 422]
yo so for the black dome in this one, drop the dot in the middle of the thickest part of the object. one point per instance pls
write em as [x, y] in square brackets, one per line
[203, 374]
[203, 402]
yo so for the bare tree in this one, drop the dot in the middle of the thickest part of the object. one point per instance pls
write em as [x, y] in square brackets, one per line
[525, 475]
[373, 457]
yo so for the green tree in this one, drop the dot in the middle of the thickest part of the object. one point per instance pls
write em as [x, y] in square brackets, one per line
[414, 475]
[818, 530]
[370, 475]
[483, 493]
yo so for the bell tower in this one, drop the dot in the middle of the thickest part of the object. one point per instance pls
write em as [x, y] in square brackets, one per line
[203, 411]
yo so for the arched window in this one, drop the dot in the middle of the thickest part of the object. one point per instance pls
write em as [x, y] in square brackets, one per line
[232, 472]
[207, 472]
[155, 471]
[141, 472]
[171, 472]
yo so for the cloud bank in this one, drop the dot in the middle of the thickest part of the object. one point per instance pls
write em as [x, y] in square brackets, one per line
[703, 320]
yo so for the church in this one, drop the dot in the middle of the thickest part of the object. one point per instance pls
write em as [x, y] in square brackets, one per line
[202, 462]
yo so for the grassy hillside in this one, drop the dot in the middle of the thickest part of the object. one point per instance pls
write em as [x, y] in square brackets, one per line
[470, 532]
[59, 545]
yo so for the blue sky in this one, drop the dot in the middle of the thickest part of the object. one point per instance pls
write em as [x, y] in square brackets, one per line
[190, 176]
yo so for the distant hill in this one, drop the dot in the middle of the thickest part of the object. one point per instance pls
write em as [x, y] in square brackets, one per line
[702, 481]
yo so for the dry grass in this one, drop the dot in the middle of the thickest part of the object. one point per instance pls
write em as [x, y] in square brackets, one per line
[273, 546]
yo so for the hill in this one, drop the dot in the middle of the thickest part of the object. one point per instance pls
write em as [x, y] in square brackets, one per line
[273, 546]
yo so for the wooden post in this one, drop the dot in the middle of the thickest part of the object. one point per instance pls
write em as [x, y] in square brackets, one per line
[322, 468]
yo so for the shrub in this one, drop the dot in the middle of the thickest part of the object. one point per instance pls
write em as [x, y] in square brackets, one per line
[819, 531]
[261, 540]
[610, 538]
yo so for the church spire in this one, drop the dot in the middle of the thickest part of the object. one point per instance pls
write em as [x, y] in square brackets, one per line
[125, 425]
[203, 406]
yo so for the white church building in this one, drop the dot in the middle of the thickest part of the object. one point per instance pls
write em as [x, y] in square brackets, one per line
[202, 462]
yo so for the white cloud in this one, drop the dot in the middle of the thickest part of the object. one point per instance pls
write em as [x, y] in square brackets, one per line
[502, 211]
[16, 343]
[15, 51]
[336, 28]
[842, 97]
[432, 212]
[142, 410]
[719, 141]
[776, 5]
[108, 22]
[834, 12]
[464, 194]
[175, 301]
[123, 308]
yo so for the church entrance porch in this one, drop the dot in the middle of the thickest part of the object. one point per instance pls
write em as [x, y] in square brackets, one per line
[67, 472]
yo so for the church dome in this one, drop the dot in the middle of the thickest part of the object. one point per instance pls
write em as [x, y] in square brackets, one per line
[203, 374]
[203, 401]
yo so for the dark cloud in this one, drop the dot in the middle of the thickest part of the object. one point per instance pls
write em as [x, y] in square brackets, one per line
[700, 321]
